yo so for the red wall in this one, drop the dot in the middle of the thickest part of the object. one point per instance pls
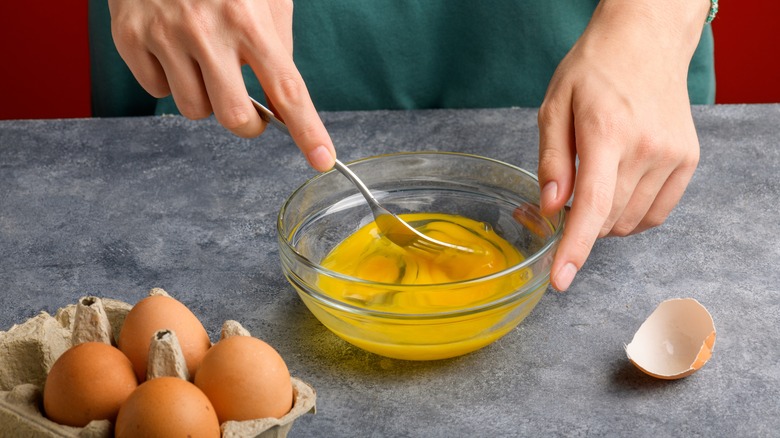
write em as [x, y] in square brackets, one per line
[747, 51]
[45, 59]
[45, 56]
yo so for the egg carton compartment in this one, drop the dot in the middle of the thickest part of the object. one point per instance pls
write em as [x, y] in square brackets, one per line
[28, 351]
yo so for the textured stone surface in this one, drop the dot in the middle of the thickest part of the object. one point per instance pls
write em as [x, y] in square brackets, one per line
[114, 207]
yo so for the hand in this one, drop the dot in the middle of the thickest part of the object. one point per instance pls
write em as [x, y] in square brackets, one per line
[618, 102]
[194, 49]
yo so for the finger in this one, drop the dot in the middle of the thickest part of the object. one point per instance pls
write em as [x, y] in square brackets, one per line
[291, 100]
[272, 107]
[593, 194]
[228, 95]
[149, 74]
[668, 196]
[186, 82]
[639, 203]
[557, 154]
[145, 67]
[282, 13]
[626, 190]
[284, 86]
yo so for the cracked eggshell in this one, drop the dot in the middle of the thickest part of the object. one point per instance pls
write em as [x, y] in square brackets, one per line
[674, 341]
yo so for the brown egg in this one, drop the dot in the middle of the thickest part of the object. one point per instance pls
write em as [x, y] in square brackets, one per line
[88, 382]
[245, 378]
[160, 312]
[167, 407]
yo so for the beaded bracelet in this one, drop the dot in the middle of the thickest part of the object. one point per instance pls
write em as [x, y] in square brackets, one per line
[713, 12]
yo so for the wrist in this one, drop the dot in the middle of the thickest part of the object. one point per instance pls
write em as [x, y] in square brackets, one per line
[669, 28]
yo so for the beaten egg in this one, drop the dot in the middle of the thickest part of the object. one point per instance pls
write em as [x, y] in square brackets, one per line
[367, 255]
[409, 282]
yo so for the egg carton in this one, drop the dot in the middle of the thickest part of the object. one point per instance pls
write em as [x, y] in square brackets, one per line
[28, 351]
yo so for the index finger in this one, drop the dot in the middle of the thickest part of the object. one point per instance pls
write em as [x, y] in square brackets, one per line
[283, 84]
[593, 193]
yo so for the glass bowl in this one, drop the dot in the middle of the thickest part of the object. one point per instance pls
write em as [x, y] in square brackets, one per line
[461, 316]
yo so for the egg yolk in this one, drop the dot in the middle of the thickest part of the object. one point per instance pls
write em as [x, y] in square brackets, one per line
[411, 282]
[368, 255]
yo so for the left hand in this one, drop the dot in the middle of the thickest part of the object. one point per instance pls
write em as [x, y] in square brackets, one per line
[619, 103]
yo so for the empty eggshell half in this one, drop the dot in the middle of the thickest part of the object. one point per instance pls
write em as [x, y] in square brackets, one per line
[674, 341]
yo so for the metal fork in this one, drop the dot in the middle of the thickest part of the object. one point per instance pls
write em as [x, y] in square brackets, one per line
[394, 228]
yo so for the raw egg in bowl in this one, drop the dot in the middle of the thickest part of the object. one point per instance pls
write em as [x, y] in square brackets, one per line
[409, 304]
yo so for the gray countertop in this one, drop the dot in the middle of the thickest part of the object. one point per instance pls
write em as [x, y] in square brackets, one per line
[115, 207]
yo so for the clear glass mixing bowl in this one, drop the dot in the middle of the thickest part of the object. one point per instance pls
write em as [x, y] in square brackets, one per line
[327, 209]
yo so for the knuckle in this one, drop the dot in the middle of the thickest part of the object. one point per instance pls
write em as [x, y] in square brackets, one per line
[691, 160]
[605, 124]
[550, 158]
[234, 11]
[157, 87]
[653, 219]
[157, 29]
[622, 229]
[235, 119]
[201, 23]
[548, 111]
[239, 121]
[599, 199]
[127, 34]
[193, 110]
[305, 131]
[650, 147]
[581, 246]
[239, 14]
[661, 152]
[289, 89]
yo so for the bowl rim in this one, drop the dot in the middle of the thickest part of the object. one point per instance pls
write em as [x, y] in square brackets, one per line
[333, 302]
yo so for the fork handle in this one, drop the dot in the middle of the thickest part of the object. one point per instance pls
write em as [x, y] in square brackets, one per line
[268, 116]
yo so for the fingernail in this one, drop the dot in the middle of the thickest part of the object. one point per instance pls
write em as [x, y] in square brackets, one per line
[549, 193]
[565, 276]
[320, 158]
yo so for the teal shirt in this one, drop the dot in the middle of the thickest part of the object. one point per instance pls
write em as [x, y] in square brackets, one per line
[393, 54]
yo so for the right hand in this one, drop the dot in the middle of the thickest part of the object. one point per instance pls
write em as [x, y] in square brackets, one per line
[194, 49]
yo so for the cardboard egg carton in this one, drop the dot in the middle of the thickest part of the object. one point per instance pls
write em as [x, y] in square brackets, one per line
[28, 351]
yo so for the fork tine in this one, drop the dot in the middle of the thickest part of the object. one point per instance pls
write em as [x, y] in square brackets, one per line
[424, 245]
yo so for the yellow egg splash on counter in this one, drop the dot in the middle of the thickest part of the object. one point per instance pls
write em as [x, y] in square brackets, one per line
[167, 407]
[245, 379]
[88, 382]
[368, 256]
[161, 312]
